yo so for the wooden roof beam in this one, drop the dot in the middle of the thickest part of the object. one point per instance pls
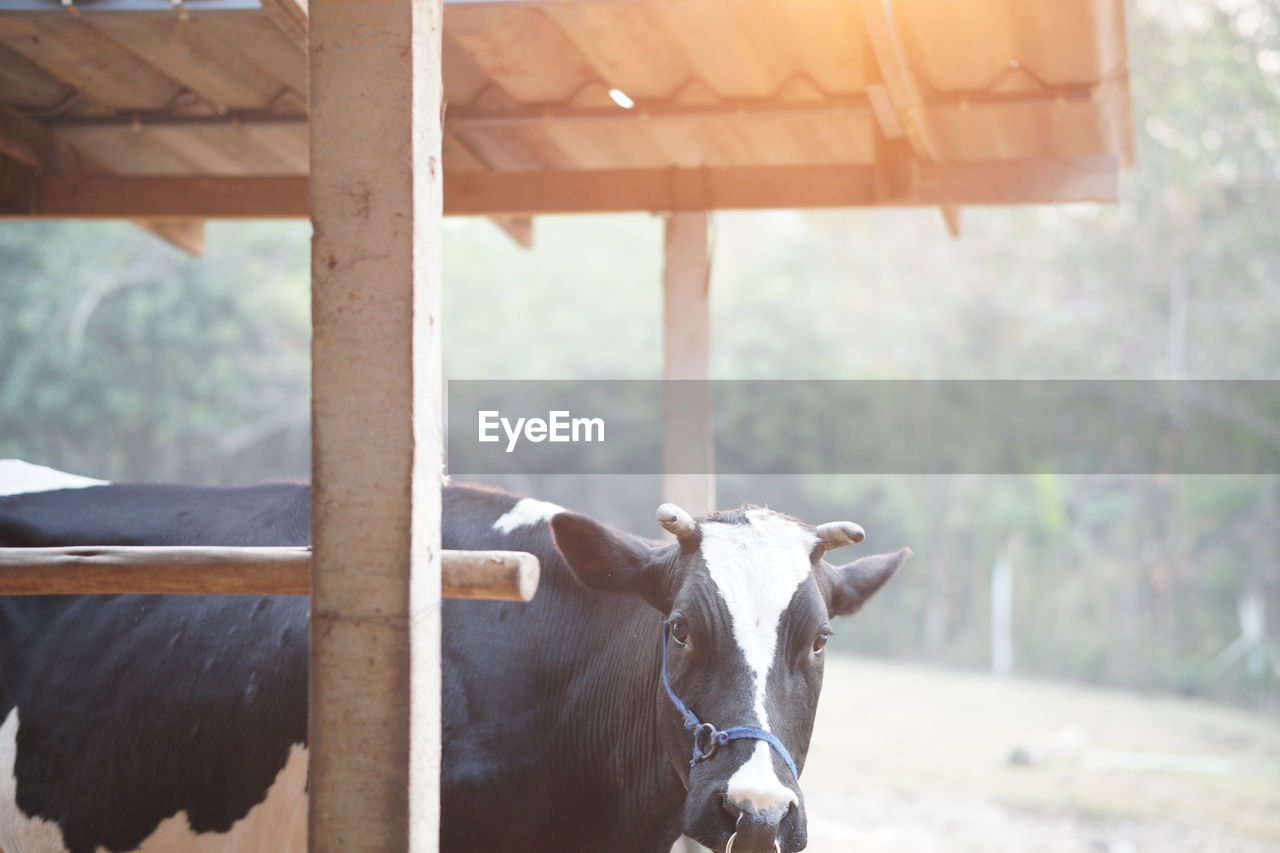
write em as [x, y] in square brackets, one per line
[33, 145]
[899, 86]
[512, 194]
[518, 228]
[898, 104]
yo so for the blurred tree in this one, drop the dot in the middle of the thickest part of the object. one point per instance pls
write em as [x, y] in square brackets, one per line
[124, 359]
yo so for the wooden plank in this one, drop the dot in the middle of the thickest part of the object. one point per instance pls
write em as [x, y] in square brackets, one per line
[489, 575]
[518, 228]
[70, 50]
[516, 193]
[112, 196]
[184, 234]
[262, 43]
[202, 570]
[899, 81]
[377, 448]
[687, 444]
[26, 86]
[951, 218]
[1041, 180]
[463, 77]
[100, 570]
[190, 54]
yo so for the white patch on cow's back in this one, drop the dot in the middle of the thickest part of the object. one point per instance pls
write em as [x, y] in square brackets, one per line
[757, 568]
[526, 513]
[20, 833]
[278, 824]
[18, 477]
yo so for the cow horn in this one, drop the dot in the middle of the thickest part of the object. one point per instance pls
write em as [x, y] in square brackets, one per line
[676, 521]
[837, 534]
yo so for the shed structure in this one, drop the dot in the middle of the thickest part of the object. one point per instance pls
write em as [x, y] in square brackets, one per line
[376, 118]
[194, 109]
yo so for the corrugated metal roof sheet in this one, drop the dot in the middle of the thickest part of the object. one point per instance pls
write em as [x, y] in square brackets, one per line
[217, 87]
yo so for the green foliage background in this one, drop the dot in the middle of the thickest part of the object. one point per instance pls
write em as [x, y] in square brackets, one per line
[123, 359]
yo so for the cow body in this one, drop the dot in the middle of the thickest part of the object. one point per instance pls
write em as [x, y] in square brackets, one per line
[129, 720]
[156, 723]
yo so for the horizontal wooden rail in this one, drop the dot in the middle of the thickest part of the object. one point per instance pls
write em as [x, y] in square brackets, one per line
[498, 575]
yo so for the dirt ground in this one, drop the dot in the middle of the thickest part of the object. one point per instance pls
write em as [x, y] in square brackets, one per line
[913, 759]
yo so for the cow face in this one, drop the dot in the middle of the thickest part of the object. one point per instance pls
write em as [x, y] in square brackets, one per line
[747, 600]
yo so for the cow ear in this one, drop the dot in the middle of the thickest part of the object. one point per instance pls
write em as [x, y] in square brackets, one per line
[609, 561]
[853, 584]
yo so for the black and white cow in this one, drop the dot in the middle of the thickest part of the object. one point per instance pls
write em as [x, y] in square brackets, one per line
[162, 723]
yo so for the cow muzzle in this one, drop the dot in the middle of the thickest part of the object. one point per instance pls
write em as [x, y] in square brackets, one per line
[756, 831]
[733, 839]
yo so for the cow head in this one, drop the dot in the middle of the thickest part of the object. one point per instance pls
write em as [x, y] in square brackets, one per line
[748, 600]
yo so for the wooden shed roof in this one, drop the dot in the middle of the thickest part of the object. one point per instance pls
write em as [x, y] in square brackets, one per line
[197, 108]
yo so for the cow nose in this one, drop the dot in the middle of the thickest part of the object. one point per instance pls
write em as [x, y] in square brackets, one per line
[755, 830]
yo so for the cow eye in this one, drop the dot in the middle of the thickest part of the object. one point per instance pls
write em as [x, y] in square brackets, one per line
[679, 632]
[820, 642]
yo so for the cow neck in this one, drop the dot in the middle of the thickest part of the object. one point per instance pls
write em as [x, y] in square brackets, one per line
[622, 710]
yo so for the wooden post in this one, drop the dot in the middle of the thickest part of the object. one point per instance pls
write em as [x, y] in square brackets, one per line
[376, 207]
[687, 446]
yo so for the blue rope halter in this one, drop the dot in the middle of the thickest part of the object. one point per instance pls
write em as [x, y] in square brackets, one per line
[706, 738]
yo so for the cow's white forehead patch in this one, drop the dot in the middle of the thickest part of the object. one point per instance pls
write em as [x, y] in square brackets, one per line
[526, 513]
[757, 567]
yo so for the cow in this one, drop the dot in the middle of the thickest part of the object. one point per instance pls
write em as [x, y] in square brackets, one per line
[649, 689]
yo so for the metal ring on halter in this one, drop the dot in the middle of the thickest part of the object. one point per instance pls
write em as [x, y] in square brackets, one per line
[728, 848]
[704, 742]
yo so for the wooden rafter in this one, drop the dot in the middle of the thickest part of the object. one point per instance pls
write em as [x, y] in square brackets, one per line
[898, 103]
[518, 228]
[290, 17]
[899, 82]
